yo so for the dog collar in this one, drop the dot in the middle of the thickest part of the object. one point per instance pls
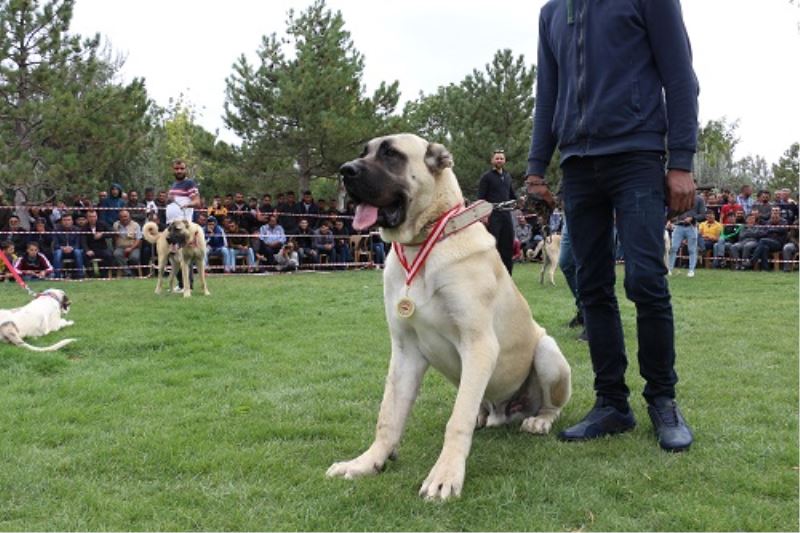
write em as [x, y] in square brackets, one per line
[453, 221]
[465, 217]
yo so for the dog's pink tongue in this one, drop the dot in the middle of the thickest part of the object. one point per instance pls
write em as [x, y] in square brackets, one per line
[366, 216]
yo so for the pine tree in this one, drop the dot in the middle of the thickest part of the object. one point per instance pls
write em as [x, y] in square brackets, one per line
[65, 125]
[308, 113]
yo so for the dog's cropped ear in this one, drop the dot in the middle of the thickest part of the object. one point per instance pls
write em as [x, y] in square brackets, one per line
[65, 303]
[437, 158]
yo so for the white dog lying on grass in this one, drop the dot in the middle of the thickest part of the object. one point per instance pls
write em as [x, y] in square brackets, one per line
[40, 317]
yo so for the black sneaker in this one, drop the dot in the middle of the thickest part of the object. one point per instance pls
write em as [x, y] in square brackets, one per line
[602, 420]
[671, 430]
[576, 321]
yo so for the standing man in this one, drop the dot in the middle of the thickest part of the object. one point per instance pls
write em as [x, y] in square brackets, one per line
[615, 90]
[495, 187]
[183, 197]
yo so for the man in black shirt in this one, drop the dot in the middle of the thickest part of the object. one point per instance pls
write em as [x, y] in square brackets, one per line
[496, 186]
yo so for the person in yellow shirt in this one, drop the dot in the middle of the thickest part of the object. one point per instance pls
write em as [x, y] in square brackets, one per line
[708, 232]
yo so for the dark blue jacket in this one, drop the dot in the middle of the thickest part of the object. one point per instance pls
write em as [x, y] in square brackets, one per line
[612, 75]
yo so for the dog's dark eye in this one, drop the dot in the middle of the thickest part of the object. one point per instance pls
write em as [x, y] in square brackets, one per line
[386, 150]
[364, 152]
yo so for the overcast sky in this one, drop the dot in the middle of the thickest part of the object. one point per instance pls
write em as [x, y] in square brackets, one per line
[745, 51]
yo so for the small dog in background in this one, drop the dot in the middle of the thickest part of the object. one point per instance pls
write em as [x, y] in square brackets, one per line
[550, 247]
[39, 317]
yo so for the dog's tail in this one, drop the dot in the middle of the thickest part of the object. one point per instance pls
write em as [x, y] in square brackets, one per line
[150, 232]
[51, 348]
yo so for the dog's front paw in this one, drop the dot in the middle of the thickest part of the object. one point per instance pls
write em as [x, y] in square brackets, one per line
[445, 480]
[538, 425]
[363, 465]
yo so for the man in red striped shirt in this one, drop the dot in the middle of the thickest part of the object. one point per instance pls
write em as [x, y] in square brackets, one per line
[183, 195]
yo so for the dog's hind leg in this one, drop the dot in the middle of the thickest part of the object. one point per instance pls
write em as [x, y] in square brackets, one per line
[554, 382]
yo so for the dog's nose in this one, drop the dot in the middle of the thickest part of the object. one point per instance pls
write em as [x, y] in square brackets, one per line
[350, 170]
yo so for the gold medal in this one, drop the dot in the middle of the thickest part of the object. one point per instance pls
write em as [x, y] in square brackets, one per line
[405, 307]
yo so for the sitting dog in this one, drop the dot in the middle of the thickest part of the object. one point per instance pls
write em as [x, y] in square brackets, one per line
[40, 317]
[550, 247]
[459, 312]
[182, 244]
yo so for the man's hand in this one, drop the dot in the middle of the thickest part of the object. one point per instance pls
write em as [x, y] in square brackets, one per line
[536, 186]
[681, 190]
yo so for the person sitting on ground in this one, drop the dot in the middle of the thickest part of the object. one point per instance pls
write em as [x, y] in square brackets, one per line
[305, 243]
[239, 244]
[287, 259]
[67, 244]
[128, 241]
[271, 239]
[217, 245]
[775, 236]
[729, 236]
[742, 251]
[33, 265]
[7, 247]
[708, 232]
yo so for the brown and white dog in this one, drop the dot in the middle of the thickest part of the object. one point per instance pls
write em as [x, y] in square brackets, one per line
[39, 317]
[461, 314]
[182, 244]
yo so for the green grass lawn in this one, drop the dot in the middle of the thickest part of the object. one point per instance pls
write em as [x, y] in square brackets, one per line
[223, 413]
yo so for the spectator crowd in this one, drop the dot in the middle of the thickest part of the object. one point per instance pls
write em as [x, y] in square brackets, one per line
[244, 235]
[732, 230]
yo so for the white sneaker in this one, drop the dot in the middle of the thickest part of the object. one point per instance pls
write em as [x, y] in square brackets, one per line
[178, 290]
[690, 274]
[669, 272]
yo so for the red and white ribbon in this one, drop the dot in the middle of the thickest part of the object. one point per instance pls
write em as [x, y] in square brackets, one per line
[427, 246]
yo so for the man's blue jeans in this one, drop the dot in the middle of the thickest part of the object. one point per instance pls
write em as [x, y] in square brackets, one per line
[58, 260]
[632, 186]
[679, 234]
[566, 261]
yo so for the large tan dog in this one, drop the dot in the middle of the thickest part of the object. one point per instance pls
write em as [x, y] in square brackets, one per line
[182, 244]
[461, 314]
[40, 317]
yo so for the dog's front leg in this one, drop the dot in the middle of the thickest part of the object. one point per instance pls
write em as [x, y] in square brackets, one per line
[187, 286]
[447, 476]
[402, 385]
